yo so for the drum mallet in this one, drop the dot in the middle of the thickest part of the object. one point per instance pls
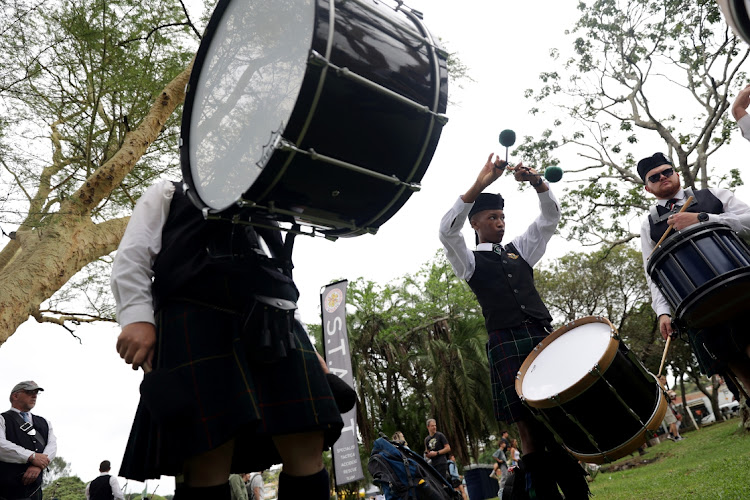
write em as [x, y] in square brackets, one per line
[663, 237]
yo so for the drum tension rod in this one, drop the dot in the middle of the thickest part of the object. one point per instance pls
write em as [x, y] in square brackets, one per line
[617, 395]
[556, 399]
[318, 60]
[286, 145]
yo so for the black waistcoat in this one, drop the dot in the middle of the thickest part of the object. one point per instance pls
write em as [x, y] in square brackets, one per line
[215, 261]
[504, 286]
[705, 201]
[11, 474]
[100, 489]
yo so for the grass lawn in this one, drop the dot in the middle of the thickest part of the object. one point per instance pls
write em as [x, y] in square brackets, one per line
[712, 463]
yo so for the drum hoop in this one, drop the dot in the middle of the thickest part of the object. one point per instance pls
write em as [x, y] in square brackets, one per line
[586, 381]
[187, 107]
[684, 235]
[634, 442]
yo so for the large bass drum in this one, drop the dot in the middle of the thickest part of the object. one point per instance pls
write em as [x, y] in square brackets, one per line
[591, 391]
[321, 112]
[704, 273]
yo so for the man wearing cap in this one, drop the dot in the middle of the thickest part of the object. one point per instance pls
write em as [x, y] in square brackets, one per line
[27, 445]
[714, 351]
[502, 278]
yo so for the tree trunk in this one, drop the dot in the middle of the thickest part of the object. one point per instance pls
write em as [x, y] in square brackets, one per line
[41, 260]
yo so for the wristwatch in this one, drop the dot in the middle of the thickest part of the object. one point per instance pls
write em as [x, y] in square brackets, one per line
[703, 217]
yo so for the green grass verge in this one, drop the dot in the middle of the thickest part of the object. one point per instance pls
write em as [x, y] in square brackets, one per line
[712, 463]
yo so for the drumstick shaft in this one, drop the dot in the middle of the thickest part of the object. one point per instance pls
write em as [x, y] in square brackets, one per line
[669, 228]
[664, 356]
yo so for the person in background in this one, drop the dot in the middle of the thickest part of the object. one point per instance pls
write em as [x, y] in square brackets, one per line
[27, 445]
[436, 448]
[104, 487]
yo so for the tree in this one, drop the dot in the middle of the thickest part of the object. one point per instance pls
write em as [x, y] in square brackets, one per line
[87, 90]
[609, 283]
[66, 488]
[418, 352]
[58, 468]
[640, 70]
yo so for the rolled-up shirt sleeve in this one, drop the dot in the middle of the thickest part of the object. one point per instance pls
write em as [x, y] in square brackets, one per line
[736, 212]
[458, 254]
[533, 242]
[132, 269]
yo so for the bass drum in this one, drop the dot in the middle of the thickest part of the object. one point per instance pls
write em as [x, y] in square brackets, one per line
[312, 111]
[591, 391]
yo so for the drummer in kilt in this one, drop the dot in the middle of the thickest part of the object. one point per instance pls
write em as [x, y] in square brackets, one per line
[502, 278]
[236, 384]
[725, 346]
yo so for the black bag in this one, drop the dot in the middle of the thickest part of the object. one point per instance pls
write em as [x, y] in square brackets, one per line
[404, 475]
[516, 485]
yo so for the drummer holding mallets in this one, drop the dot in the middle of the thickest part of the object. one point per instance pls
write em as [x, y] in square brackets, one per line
[502, 278]
[717, 348]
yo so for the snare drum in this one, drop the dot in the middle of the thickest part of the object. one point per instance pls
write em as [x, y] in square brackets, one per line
[590, 391]
[313, 111]
[704, 273]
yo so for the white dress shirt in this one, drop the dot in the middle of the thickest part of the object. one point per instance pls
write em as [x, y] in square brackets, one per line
[113, 484]
[531, 245]
[736, 215]
[744, 124]
[132, 270]
[14, 454]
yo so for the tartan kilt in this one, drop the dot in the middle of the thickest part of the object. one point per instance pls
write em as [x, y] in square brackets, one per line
[506, 351]
[203, 351]
[716, 345]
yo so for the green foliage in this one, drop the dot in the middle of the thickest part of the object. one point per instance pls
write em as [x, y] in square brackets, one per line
[66, 488]
[418, 352]
[638, 69]
[57, 468]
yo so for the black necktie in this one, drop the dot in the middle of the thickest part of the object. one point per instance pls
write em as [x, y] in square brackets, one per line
[497, 248]
[671, 204]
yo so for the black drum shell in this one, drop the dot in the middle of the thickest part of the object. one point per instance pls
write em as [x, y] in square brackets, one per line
[704, 273]
[614, 429]
[354, 123]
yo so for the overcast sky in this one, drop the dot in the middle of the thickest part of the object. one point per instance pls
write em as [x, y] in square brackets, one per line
[91, 394]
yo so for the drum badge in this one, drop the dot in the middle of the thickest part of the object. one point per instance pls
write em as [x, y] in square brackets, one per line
[513, 256]
[333, 300]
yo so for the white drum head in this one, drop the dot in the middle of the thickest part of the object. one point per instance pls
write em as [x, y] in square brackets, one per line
[248, 85]
[566, 360]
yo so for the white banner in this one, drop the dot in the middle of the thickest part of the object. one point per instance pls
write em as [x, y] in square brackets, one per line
[345, 452]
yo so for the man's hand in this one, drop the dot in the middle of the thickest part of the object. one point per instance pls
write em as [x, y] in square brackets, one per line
[136, 344]
[491, 171]
[40, 460]
[665, 326]
[489, 174]
[32, 472]
[741, 103]
[680, 221]
[527, 174]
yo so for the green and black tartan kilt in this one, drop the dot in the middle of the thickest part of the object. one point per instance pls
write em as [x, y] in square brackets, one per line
[203, 350]
[506, 351]
[716, 345]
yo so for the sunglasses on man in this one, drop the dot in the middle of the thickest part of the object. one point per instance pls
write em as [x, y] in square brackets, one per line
[667, 172]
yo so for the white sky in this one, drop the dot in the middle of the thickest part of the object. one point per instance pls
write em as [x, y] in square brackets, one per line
[91, 394]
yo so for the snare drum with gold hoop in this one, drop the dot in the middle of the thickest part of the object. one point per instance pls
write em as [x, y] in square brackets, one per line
[591, 391]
